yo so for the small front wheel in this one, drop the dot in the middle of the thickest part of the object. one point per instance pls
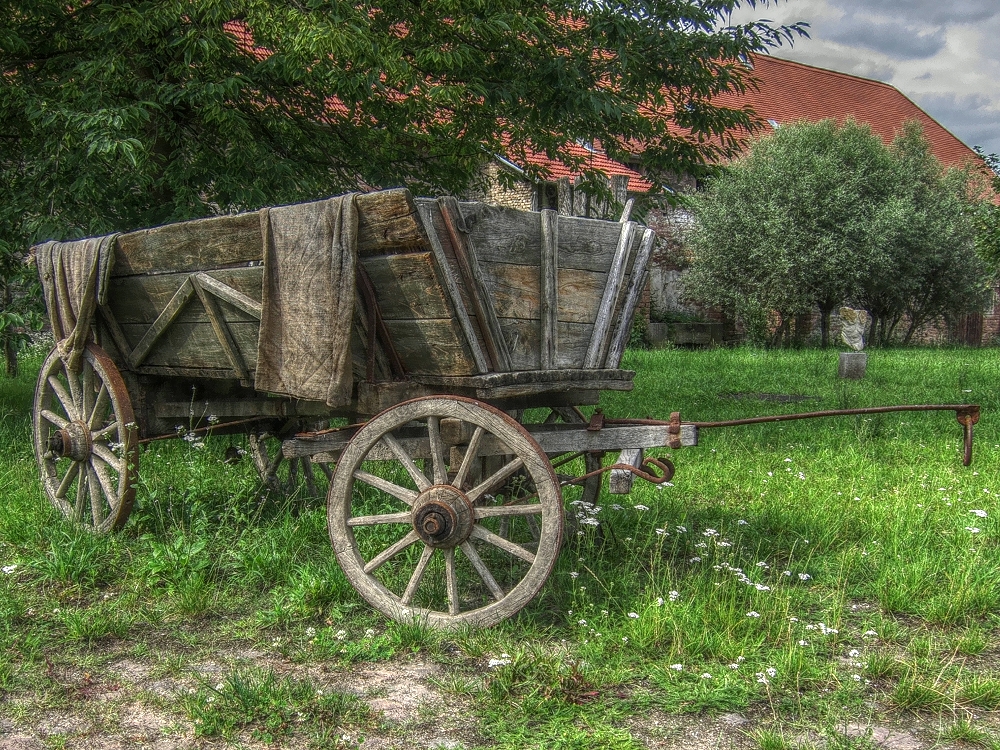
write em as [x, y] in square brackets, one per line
[414, 518]
[86, 440]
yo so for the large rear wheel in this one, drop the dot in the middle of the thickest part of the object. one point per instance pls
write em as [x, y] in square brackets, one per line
[414, 519]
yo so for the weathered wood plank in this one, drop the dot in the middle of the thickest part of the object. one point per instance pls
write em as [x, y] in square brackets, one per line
[516, 292]
[222, 332]
[407, 286]
[475, 284]
[434, 347]
[162, 322]
[140, 299]
[564, 192]
[190, 246]
[503, 235]
[601, 336]
[479, 361]
[577, 377]
[242, 408]
[640, 271]
[549, 288]
[226, 293]
[388, 219]
[621, 480]
[195, 345]
[524, 343]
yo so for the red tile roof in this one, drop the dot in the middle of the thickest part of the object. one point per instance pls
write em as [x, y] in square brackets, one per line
[594, 158]
[790, 91]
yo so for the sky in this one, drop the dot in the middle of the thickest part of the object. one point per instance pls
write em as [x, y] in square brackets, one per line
[943, 54]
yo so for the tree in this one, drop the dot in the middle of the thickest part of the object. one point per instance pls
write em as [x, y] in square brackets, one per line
[987, 212]
[818, 214]
[792, 225]
[121, 113]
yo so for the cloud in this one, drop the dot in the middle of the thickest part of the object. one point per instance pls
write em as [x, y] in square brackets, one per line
[972, 118]
[930, 12]
[897, 40]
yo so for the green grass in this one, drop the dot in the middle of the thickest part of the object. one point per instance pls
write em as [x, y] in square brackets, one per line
[807, 574]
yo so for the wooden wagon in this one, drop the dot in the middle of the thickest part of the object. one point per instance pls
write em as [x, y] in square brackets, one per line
[442, 505]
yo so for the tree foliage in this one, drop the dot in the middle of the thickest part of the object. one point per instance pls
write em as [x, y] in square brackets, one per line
[987, 214]
[121, 113]
[819, 214]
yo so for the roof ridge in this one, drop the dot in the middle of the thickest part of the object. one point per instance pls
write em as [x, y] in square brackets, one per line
[828, 70]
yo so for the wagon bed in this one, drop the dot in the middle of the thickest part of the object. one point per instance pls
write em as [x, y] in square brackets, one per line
[512, 307]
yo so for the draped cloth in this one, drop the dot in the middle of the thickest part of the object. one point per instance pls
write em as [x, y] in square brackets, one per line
[310, 257]
[74, 278]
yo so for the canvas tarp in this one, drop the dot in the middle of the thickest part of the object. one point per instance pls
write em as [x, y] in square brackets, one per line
[74, 278]
[310, 257]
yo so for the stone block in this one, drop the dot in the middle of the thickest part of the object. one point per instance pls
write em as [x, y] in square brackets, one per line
[853, 365]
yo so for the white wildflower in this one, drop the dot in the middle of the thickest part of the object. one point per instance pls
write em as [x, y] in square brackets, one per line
[633, 615]
[804, 576]
[641, 507]
[751, 613]
[972, 529]
[979, 513]
[677, 667]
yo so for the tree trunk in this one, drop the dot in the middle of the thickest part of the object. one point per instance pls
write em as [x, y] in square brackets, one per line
[824, 326]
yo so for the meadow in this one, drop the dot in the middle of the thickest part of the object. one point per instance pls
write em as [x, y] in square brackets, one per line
[818, 584]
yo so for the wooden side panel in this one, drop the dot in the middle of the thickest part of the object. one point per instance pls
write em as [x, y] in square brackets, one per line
[524, 339]
[516, 292]
[195, 345]
[503, 235]
[431, 347]
[407, 287]
[387, 219]
[190, 246]
[140, 299]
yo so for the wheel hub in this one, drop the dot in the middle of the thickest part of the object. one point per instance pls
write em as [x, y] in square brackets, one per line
[72, 441]
[442, 516]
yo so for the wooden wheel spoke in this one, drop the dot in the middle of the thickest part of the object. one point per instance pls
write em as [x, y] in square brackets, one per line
[105, 431]
[102, 452]
[67, 480]
[451, 581]
[96, 504]
[471, 453]
[400, 493]
[385, 518]
[438, 463]
[54, 418]
[532, 509]
[68, 405]
[495, 480]
[81, 492]
[86, 391]
[389, 552]
[418, 574]
[414, 471]
[483, 571]
[100, 404]
[478, 532]
[74, 392]
[107, 485]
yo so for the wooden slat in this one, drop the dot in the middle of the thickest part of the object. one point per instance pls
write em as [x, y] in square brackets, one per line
[640, 271]
[117, 335]
[454, 295]
[600, 338]
[388, 219]
[523, 340]
[163, 320]
[517, 293]
[407, 286]
[195, 345]
[431, 346]
[472, 275]
[222, 332]
[190, 246]
[140, 299]
[230, 295]
[549, 288]
[502, 236]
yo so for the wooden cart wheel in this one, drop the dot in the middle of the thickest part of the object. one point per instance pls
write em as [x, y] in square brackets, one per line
[420, 544]
[289, 477]
[86, 440]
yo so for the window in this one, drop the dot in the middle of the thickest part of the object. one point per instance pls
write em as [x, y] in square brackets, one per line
[547, 196]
